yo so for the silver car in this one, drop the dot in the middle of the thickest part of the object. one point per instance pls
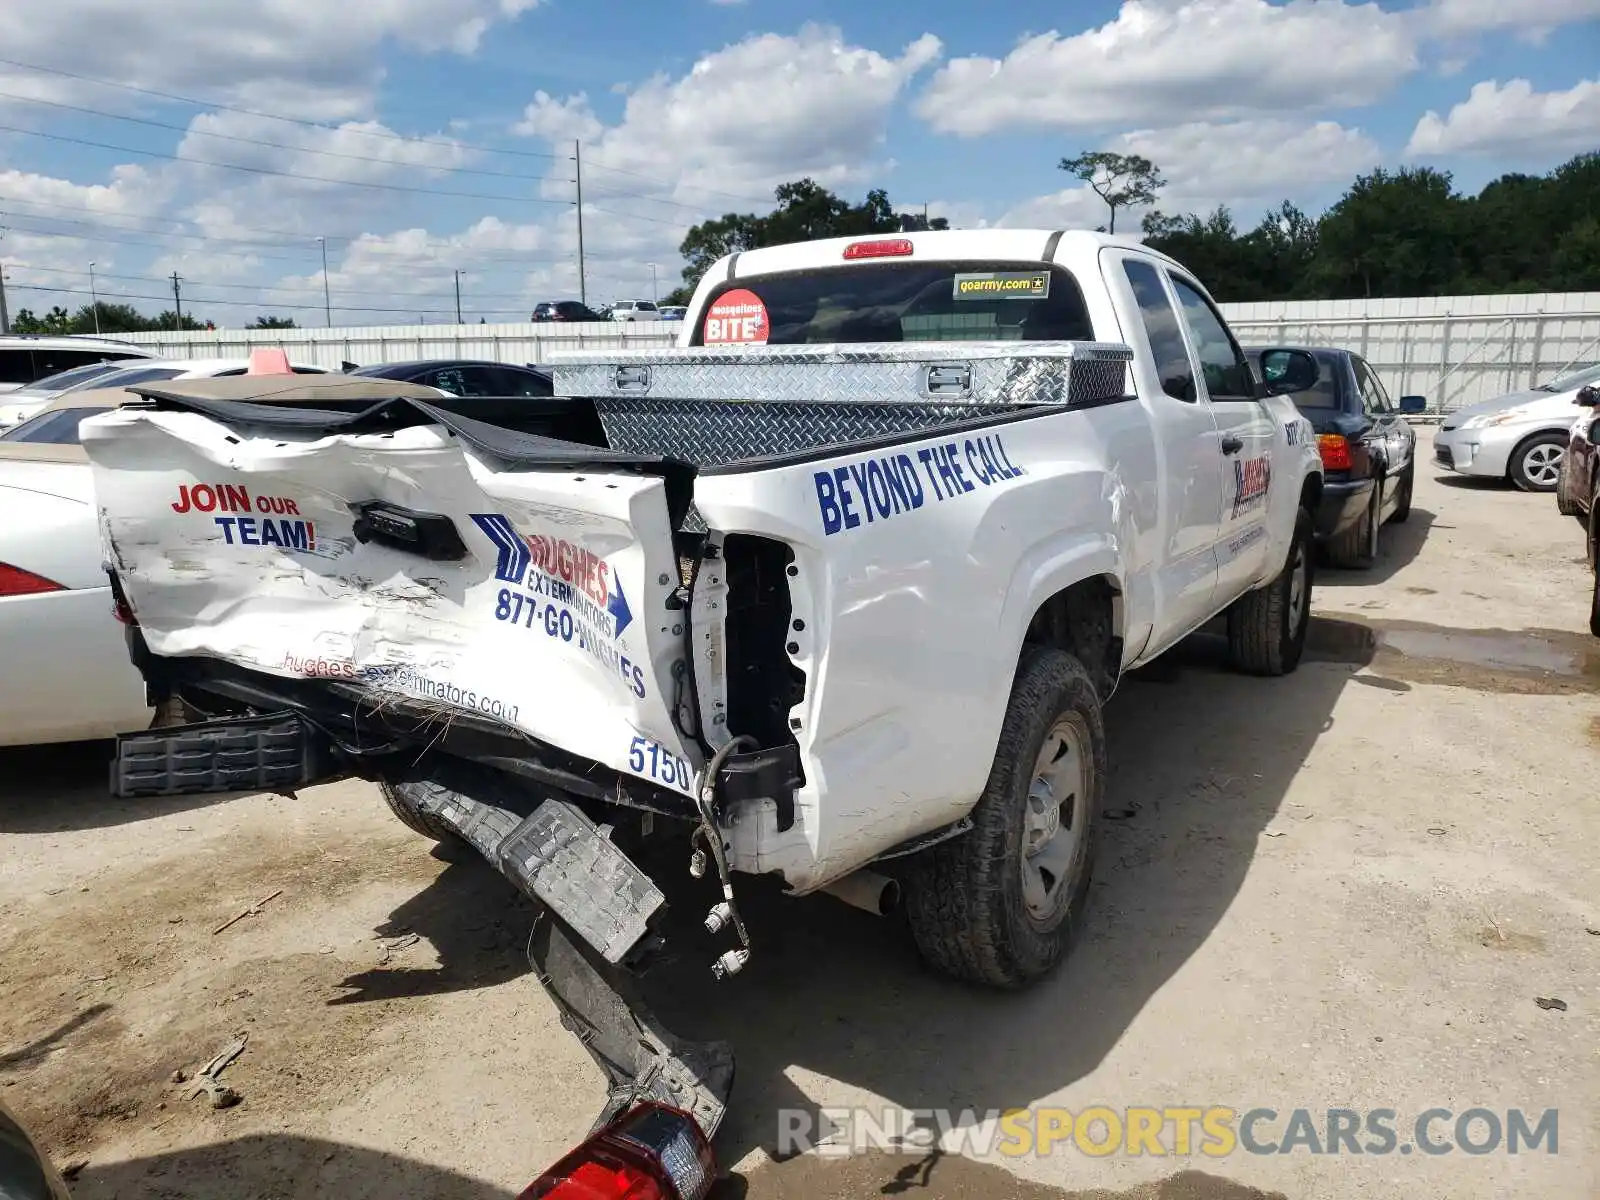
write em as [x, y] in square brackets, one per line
[1521, 437]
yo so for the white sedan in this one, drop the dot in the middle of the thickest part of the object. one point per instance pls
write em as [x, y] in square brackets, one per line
[65, 674]
[20, 405]
[1521, 437]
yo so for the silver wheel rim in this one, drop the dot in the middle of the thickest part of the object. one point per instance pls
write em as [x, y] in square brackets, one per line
[1058, 796]
[1542, 464]
[1297, 586]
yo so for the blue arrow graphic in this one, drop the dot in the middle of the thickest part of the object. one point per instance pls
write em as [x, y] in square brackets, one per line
[617, 605]
[512, 563]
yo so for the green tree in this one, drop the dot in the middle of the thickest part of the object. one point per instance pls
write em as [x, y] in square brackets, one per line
[1394, 233]
[272, 323]
[1121, 180]
[804, 211]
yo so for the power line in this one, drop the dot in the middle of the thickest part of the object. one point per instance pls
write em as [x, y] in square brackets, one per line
[250, 112]
[296, 235]
[332, 128]
[251, 286]
[267, 171]
[233, 137]
[215, 303]
[474, 251]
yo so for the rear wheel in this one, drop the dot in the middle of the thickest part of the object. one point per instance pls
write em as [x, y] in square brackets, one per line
[1536, 463]
[1356, 548]
[1001, 904]
[1402, 507]
[1267, 627]
[1565, 505]
[1594, 563]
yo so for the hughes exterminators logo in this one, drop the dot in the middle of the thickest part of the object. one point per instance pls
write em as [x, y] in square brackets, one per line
[560, 570]
[280, 523]
[1252, 478]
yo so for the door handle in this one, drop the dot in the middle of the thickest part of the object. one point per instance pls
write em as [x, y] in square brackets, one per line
[1231, 444]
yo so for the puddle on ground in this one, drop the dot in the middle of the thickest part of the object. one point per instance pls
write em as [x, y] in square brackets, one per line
[1542, 662]
[1505, 939]
[946, 1177]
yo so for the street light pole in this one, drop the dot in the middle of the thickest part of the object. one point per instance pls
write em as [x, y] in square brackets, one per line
[327, 304]
[458, 295]
[94, 301]
[655, 292]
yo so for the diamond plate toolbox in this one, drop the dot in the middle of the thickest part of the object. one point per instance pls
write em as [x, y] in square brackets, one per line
[712, 407]
[1006, 373]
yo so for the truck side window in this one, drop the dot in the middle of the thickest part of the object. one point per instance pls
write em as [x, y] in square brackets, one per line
[1161, 327]
[1226, 369]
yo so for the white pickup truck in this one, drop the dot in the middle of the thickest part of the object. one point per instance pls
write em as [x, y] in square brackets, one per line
[834, 591]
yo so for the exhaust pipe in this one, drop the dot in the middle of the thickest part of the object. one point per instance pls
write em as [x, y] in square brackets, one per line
[868, 891]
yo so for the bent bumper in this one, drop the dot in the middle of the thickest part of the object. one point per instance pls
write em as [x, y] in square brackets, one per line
[1343, 503]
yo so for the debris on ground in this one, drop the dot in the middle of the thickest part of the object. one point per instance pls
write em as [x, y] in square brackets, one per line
[1550, 1002]
[252, 911]
[398, 944]
[206, 1078]
[74, 1168]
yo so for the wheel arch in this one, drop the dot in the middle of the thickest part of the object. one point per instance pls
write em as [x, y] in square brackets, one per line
[1086, 618]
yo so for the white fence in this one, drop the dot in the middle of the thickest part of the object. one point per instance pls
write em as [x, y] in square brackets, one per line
[1454, 350]
[524, 342]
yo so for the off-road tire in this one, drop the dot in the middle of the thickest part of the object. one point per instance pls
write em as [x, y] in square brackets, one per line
[964, 899]
[1262, 637]
[1356, 548]
[398, 797]
[1518, 471]
[1408, 480]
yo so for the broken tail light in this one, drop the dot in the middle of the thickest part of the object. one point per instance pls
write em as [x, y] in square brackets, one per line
[14, 581]
[1335, 451]
[882, 248]
[650, 1152]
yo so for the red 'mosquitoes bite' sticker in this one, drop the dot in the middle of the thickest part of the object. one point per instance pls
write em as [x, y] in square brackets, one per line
[736, 318]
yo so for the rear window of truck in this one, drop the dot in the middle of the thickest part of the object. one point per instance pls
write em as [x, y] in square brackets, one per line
[899, 301]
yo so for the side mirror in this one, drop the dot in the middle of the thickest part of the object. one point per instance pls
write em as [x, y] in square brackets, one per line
[1288, 371]
[1413, 404]
[1587, 397]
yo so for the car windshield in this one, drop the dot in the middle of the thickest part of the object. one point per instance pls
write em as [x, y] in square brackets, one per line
[128, 377]
[62, 380]
[1570, 383]
[58, 427]
[900, 301]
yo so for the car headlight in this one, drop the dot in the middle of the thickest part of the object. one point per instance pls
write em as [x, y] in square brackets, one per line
[1490, 419]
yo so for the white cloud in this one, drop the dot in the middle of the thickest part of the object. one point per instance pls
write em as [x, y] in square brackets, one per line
[1512, 120]
[1071, 208]
[1532, 18]
[308, 58]
[1207, 164]
[1163, 61]
[767, 109]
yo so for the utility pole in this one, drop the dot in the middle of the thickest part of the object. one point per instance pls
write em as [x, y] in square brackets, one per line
[655, 291]
[94, 301]
[177, 303]
[577, 157]
[327, 305]
[458, 295]
[5, 317]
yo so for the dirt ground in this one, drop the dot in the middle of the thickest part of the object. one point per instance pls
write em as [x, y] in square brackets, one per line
[1346, 888]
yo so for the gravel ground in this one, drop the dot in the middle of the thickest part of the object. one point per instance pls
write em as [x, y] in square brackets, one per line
[1343, 889]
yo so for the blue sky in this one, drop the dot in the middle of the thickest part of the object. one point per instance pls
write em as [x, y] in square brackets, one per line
[689, 108]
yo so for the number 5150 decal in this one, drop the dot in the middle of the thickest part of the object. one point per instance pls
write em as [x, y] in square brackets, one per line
[656, 762]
